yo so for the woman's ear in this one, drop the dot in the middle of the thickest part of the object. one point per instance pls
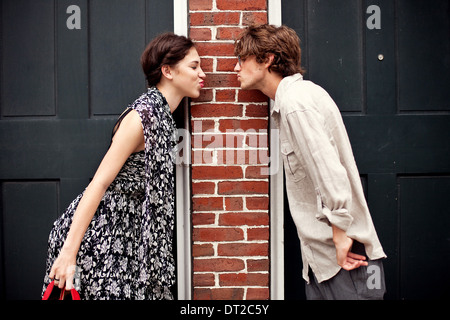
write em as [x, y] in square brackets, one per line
[167, 72]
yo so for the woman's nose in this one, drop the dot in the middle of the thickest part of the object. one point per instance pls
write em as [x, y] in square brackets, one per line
[202, 74]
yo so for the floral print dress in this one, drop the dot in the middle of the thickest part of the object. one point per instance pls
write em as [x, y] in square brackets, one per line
[126, 252]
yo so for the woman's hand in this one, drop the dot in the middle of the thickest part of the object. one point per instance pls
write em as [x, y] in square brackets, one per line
[63, 270]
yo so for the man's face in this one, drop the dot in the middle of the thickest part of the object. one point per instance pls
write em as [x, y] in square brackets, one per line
[250, 73]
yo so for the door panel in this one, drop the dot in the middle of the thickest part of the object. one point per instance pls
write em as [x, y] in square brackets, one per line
[396, 110]
[29, 74]
[423, 55]
[110, 25]
[29, 209]
[424, 237]
[61, 92]
[338, 63]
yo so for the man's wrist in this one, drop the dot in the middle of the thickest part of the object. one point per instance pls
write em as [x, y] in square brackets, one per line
[338, 234]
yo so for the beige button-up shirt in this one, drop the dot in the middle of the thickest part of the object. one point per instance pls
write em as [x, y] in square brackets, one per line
[322, 181]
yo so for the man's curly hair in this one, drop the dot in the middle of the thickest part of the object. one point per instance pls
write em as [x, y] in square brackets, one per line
[263, 40]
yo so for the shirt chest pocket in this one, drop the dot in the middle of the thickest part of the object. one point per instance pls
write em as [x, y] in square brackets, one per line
[292, 163]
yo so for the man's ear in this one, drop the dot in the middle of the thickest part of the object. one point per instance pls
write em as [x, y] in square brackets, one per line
[269, 60]
[167, 72]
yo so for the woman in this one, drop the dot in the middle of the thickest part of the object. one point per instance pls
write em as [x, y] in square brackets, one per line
[118, 232]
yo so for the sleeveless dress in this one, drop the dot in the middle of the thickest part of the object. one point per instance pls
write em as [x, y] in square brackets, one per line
[126, 252]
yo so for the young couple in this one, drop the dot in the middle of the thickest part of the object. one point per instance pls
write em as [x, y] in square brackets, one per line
[119, 230]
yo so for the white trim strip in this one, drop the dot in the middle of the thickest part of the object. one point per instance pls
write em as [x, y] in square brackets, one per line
[276, 195]
[180, 17]
[183, 180]
[274, 12]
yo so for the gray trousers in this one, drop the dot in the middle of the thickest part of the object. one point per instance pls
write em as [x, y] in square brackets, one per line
[364, 283]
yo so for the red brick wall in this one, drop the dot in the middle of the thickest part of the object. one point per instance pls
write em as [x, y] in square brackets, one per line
[229, 154]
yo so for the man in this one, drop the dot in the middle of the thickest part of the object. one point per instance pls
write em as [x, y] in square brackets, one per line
[341, 252]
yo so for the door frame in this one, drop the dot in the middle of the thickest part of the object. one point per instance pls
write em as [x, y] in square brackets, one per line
[276, 192]
[183, 180]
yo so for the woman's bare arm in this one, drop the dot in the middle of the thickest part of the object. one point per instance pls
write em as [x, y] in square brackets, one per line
[128, 139]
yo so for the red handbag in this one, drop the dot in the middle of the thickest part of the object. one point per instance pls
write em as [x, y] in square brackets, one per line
[54, 293]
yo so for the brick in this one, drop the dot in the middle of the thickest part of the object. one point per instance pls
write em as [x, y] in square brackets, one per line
[214, 18]
[263, 158]
[258, 265]
[218, 265]
[256, 172]
[207, 64]
[241, 4]
[203, 218]
[244, 219]
[200, 5]
[217, 234]
[258, 140]
[207, 140]
[202, 125]
[202, 157]
[258, 294]
[202, 250]
[234, 204]
[233, 140]
[257, 110]
[203, 188]
[226, 64]
[243, 187]
[206, 110]
[235, 124]
[230, 157]
[207, 204]
[228, 33]
[203, 280]
[254, 18]
[226, 95]
[218, 140]
[257, 234]
[219, 294]
[257, 203]
[244, 279]
[242, 249]
[251, 96]
[200, 34]
[216, 172]
[215, 48]
[206, 95]
[242, 157]
[218, 80]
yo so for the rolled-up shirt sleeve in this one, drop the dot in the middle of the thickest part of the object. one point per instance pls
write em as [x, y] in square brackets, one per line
[320, 159]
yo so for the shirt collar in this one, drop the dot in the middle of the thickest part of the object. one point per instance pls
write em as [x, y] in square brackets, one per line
[163, 101]
[284, 84]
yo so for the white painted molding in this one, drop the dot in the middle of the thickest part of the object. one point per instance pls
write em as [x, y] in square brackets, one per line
[183, 181]
[276, 195]
[274, 12]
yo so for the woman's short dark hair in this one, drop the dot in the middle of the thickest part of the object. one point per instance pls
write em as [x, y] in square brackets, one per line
[166, 49]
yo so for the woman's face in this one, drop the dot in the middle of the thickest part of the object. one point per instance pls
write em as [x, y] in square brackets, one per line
[188, 76]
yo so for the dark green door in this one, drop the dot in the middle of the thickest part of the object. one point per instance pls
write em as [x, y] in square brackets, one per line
[68, 68]
[387, 65]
